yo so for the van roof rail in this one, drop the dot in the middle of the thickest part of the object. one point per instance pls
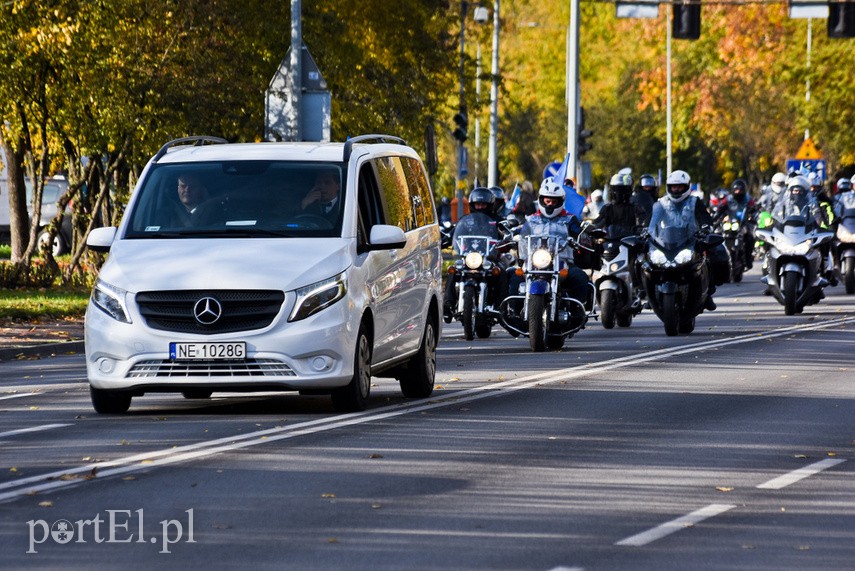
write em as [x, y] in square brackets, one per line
[348, 145]
[197, 141]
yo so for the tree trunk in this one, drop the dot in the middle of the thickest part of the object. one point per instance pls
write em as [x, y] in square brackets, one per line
[19, 220]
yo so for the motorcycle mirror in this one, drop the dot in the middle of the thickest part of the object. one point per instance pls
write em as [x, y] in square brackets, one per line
[714, 240]
[631, 241]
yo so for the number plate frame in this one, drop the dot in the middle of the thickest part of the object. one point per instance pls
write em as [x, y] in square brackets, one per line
[207, 351]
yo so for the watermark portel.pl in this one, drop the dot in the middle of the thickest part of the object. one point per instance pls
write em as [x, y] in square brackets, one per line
[118, 527]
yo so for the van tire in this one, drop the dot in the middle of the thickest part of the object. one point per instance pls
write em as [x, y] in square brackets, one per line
[353, 397]
[417, 378]
[110, 402]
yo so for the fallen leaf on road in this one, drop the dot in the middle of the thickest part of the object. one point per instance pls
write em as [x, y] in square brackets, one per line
[46, 504]
[724, 488]
[328, 495]
[376, 456]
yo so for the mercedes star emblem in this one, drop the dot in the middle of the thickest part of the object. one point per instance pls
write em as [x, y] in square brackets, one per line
[207, 311]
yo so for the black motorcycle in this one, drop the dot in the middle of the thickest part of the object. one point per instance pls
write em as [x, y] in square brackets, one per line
[676, 275]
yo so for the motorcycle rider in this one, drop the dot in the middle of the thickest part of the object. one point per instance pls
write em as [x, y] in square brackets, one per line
[594, 206]
[500, 203]
[797, 201]
[774, 192]
[552, 219]
[620, 215]
[741, 201]
[481, 202]
[817, 191]
[845, 196]
[645, 195]
[679, 208]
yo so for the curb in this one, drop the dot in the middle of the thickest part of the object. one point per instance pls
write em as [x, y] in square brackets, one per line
[45, 350]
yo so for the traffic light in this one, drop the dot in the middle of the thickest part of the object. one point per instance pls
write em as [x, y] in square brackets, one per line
[841, 19]
[462, 122]
[686, 21]
[582, 135]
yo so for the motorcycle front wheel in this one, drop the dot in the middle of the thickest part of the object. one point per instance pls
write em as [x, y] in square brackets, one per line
[468, 317]
[537, 323]
[670, 314]
[791, 292]
[849, 275]
[608, 307]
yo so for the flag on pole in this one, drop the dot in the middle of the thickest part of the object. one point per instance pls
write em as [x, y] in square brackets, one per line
[573, 201]
[515, 197]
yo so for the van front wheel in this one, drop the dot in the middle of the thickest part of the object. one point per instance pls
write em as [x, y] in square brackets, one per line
[353, 397]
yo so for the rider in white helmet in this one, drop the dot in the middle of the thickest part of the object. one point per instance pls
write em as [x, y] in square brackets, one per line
[679, 208]
[552, 219]
[773, 192]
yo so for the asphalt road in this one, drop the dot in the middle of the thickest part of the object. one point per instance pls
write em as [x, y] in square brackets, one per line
[730, 448]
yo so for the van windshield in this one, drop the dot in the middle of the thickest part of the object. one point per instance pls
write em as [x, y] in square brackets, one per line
[239, 198]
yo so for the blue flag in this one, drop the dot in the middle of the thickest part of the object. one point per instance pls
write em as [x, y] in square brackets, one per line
[573, 202]
[515, 197]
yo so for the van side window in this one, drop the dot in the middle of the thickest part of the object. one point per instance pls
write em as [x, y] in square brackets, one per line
[395, 193]
[370, 211]
[420, 192]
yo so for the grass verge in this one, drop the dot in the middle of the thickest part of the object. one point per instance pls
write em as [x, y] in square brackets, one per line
[42, 304]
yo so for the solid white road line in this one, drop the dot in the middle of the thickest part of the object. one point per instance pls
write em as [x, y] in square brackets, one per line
[800, 474]
[16, 396]
[164, 457]
[32, 429]
[675, 525]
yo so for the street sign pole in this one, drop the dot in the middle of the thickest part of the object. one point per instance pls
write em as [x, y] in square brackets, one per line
[572, 88]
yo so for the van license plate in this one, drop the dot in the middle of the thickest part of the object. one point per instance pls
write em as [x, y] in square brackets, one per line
[207, 351]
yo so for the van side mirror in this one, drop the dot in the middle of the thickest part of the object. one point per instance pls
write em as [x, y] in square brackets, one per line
[100, 239]
[384, 237]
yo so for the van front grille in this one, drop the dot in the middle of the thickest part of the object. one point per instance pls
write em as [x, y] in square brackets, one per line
[249, 368]
[218, 311]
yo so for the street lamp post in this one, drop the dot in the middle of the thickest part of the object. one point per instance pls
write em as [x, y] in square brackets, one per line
[458, 179]
[493, 170]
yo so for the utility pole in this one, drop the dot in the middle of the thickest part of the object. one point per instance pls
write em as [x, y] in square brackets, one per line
[461, 157]
[573, 89]
[296, 69]
[669, 130]
[493, 160]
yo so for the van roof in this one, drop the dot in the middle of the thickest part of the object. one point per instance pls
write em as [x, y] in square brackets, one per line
[304, 151]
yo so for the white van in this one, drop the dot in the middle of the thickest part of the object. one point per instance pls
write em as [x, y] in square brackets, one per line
[234, 270]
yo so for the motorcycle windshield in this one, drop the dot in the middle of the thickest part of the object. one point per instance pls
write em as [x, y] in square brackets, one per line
[475, 231]
[672, 238]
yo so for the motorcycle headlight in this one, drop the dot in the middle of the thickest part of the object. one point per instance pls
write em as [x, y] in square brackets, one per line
[726, 226]
[658, 258]
[845, 235]
[615, 266]
[473, 260]
[317, 296]
[684, 256]
[734, 226]
[541, 259]
[797, 250]
[111, 300]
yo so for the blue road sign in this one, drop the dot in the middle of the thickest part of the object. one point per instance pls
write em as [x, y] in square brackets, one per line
[805, 166]
[552, 169]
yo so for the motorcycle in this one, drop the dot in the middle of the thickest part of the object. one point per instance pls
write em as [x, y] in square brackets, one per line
[618, 292]
[793, 260]
[477, 275]
[541, 311]
[676, 275]
[845, 249]
[734, 231]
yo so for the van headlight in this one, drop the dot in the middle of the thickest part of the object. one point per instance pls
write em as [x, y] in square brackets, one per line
[317, 296]
[684, 256]
[541, 259]
[111, 300]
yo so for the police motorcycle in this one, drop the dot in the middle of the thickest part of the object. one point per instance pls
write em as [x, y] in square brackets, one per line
[619, 293]
[793, 260]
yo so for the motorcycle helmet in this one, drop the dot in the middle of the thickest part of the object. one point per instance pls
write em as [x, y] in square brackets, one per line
[779, 181]
[499, 202]
[844, 185]
[648, 185]
[677, 185]
[620, 188]
[815, 183]
[739, 189]
[481, 200]
[554, 194]
[797, 190]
